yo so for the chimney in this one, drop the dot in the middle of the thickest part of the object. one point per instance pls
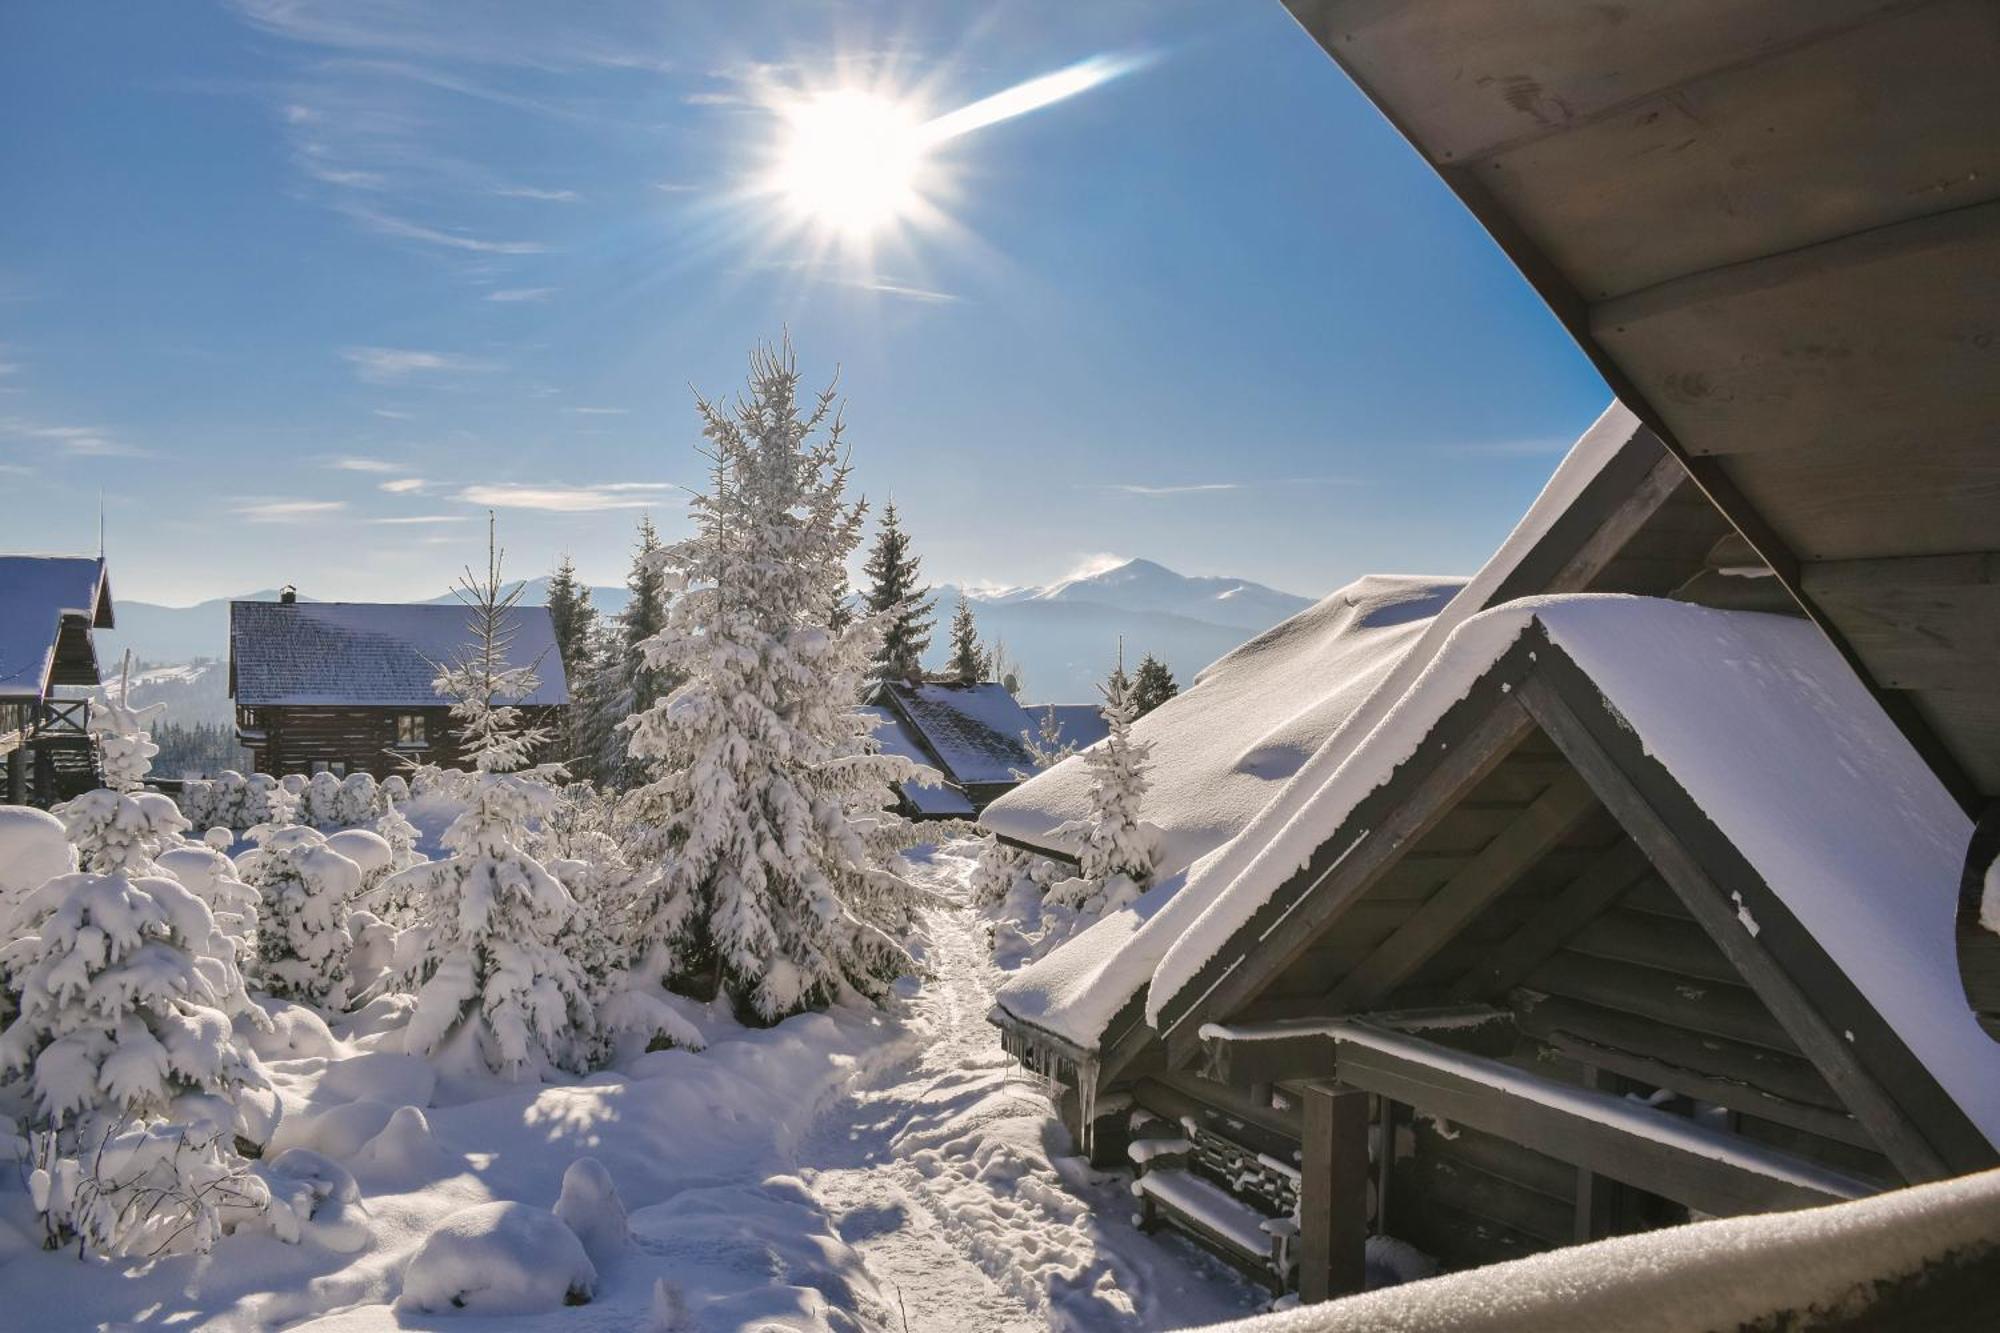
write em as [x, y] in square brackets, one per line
[288, 594]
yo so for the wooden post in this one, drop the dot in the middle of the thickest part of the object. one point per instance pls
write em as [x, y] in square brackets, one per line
[1333, 1192]
[17, 774]
[1594, 1193]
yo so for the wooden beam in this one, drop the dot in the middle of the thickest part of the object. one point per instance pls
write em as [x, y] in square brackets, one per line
[1897, 1137]
[1484, 878]
[1354, 863]
[1333, 1193]
[1613, 1136]
[1609, 876]
[1295, 1050]
[1595, 1194]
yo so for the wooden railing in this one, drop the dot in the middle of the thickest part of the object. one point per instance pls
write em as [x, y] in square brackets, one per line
[61, 717]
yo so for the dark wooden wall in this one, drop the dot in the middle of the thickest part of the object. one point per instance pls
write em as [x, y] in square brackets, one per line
[364, 739]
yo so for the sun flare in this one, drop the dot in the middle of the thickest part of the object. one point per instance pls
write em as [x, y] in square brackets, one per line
[851, 161]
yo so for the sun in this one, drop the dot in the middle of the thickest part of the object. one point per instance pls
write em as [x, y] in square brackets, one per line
[851, 161]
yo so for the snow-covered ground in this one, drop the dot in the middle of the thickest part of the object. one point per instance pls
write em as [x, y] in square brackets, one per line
[857, 1169]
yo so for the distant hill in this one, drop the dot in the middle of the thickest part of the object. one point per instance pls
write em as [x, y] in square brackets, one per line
[1065, 634]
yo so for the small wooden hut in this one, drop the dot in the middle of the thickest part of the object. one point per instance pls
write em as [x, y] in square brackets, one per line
[50, 608]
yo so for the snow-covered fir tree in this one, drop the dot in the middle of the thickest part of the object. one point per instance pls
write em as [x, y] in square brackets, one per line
[575, 622]
[122, 986]
[644, 615]
[492, 984]
[1119, 850]
[320, 806]
[359, 800]
[124, 746]
[1046, 742]
[968, 663]
[307, 889]
[600, 701]
[895, 597]
[765, 816]
[1152, 685]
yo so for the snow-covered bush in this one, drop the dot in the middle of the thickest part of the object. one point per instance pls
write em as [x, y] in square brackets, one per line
[321, 804]
[395, 789]
[34, 848]
[302, 939]
[230, 800]
[119, 834]
[766, 808]
[395, 828]
[123, 986]
[359, 802]
[211, 877]
[197, 802]
[499, 1259]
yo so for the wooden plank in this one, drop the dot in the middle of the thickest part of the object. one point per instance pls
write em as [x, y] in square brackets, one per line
[1717, 1009]
[1492, 1198]
[1466, 894]
[1595, 1204]
[1590, 893]
[1550, 1177]
[1794, 1010]
[1614, 1136]
[1859, 130]
[1521, 71]
[1919, 622]
[1556, 1020]
[1333, 1193]
[1668, 946]
[1346, 864]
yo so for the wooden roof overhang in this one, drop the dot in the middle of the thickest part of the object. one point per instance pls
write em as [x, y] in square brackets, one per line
[1533, 781]
[1774, 226]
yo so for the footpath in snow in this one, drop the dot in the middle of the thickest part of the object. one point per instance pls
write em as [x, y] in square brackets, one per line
[854, 1170]
[948, 1173]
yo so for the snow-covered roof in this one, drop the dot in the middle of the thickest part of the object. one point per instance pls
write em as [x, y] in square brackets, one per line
[371, 654]
[1078, 725]
[942, 801]
[1772, 735]
[975, 731]
[1221, 790]
[36, 593]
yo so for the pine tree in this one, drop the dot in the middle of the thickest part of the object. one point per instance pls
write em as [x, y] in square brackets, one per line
[1046, 743]
[894, 595]
[484, 688]
[123, 745]
[490, 979]
[302, 940]
[643, 616]
[1119, 850]
[1152, 686]
[766, 811]
[969, 663]
[575, 618]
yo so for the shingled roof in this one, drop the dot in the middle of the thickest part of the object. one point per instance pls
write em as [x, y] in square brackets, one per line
[37, 593]
[370, 654]
[974, 730]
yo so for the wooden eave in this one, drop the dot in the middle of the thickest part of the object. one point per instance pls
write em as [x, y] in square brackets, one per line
[1534, 689]
[1775, 230]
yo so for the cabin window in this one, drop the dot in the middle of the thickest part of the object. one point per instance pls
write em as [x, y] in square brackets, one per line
[410, 729]
[337, 767]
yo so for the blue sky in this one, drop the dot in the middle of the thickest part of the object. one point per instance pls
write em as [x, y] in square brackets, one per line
[301, 286]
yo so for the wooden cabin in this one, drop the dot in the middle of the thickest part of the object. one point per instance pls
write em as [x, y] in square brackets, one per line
[348, 687]
[1775, 229]
[974, 735]
[50, 608]
[1635, 912]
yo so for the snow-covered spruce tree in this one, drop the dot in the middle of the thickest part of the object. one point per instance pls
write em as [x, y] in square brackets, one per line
[122, 986]
[1119, 850]
[359, 801]
[320, 806]
[1046, 742]
[492, 984]
[644, 615]
[894, 596]
[1152, 686]
[968, 663]
[575, 622]
[307, 889]
[766, 816]
[124, 746]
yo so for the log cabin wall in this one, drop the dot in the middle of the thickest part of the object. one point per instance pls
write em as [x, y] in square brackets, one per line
[296, 737]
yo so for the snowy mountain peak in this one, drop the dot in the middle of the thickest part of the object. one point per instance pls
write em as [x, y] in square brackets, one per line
[1147, 585]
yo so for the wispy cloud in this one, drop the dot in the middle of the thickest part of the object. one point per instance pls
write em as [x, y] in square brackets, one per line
[391, 414]
[78, 441]
[388, 224]
[403, 485]
[567, 499]
[365, 465]
[599, 411]
[521, 294]
[551, 37]
[1210, 487]
[414, 519]
[530, 192]
[391, 365]
[676, 187]
[286, 511]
